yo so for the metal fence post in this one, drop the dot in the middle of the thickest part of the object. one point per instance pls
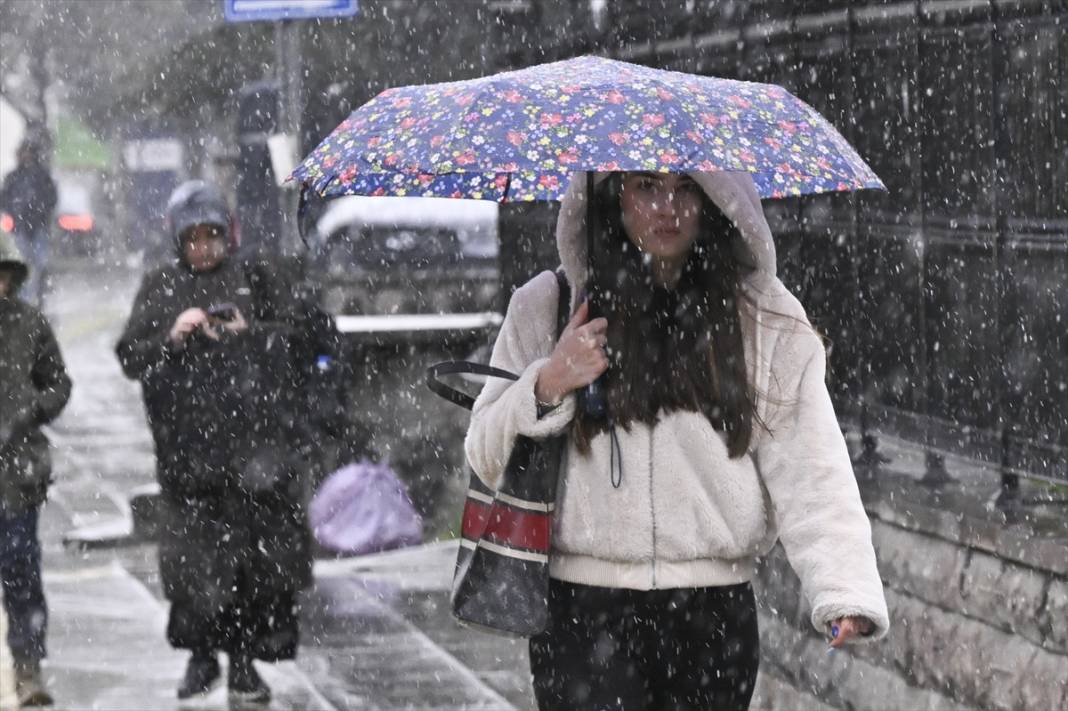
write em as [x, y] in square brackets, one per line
[1008, 498]
[935, 475]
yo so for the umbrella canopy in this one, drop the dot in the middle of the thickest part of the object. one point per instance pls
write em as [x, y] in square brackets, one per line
[520, 135]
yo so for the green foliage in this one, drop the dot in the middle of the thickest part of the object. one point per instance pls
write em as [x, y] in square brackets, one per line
[76, 147]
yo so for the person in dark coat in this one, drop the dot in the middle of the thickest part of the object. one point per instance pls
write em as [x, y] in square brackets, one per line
[219, 346]
[29, 197]
[34, 388]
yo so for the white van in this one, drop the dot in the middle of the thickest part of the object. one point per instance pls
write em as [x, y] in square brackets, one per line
[407, 257]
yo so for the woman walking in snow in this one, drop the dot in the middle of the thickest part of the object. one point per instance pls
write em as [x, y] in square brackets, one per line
[720, 439]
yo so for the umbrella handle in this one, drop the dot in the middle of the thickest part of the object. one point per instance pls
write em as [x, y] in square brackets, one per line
[593, 400]
[592, 397]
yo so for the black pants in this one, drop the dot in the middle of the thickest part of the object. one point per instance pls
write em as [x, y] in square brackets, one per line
[656, 650]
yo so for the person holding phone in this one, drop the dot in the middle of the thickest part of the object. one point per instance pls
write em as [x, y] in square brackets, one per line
[215, 344]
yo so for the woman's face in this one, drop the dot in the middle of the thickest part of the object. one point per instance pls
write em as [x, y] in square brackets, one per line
[204, 247]
[661, 213]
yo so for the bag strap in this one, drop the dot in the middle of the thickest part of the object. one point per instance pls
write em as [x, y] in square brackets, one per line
[456, 367]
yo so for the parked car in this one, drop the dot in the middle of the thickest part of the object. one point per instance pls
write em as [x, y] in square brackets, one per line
[75, 228]
[404, 256]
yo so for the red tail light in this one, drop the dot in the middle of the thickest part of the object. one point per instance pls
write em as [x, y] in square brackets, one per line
[76, 223]
[6, 223]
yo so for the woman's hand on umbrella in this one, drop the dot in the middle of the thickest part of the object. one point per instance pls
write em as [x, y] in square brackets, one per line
[845, 629]
[577, 360]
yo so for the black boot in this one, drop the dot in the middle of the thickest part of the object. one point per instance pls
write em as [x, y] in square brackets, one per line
[201, 675]
[29, 685]
[243, 681]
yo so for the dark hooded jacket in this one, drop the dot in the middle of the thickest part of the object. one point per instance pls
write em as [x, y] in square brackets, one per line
[34, 388]
[225, 420]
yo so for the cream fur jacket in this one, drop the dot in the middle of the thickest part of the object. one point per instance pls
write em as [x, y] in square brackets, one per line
[686, 514]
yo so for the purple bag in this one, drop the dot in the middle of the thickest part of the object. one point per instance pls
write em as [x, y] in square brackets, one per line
[363, 508]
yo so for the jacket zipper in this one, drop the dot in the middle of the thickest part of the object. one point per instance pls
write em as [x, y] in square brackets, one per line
[652, 507]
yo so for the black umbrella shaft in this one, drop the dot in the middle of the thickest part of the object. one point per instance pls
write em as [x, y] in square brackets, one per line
[594, 402]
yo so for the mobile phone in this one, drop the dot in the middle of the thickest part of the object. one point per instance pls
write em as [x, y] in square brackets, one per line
[224, 311]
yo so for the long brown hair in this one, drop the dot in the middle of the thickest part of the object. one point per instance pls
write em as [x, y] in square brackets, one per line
[670, 349]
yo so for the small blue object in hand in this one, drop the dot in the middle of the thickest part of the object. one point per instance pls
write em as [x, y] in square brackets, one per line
[834, 635]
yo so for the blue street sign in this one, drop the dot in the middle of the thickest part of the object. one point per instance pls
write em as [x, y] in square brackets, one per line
[246, 10]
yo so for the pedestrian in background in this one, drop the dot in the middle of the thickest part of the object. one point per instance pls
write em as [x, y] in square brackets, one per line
[219, 345]
[34, 388]
[29, 197]
[720, 438]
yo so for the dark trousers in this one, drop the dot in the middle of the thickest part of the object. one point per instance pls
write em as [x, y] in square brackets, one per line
[20, 573]
[656, 650]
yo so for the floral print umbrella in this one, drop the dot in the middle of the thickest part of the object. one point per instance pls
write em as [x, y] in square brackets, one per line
[520, 135]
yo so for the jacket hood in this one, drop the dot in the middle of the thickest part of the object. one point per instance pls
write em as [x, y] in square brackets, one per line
[195, 202]
[733, 193]
[11, 257]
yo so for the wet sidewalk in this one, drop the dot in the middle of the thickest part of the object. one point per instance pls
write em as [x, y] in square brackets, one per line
[108, 651]
[376, 631]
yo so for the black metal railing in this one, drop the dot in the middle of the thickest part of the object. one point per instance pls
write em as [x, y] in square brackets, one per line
[944, 298]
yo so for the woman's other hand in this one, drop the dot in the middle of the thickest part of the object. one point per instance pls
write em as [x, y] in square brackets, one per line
[849, 628]
[187, 322]
[577, 360]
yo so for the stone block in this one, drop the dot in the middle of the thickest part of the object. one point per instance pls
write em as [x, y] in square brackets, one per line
[981, 533]
[938, 523]
[780, 642]
[1048, 554]
[774, 694]
[1004, 594]
[928, 642]
[1007, 667]
[823, 674]
[935, 520]
[1055, 616]
[983, 666]
[874, 687]
[778, 590]
[1044, 684]
[921, 566]
[962, 659]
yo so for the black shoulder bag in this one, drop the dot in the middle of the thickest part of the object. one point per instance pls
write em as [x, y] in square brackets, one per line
[502, 570]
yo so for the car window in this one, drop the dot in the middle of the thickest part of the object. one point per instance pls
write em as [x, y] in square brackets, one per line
[479, 241]
[385, 246]
[409, 246]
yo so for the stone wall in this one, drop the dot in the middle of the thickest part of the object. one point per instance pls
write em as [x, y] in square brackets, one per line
[979, 614]
[978, 606]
